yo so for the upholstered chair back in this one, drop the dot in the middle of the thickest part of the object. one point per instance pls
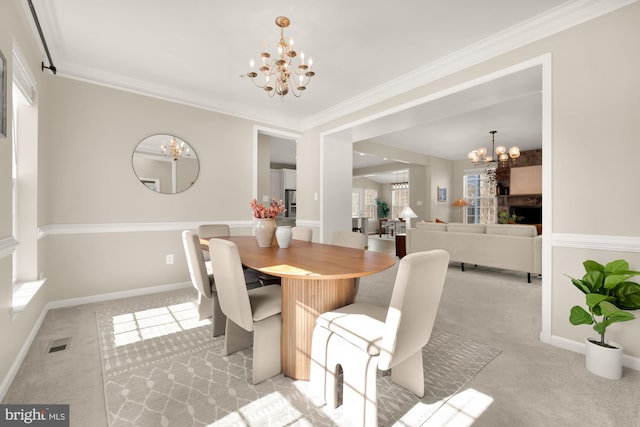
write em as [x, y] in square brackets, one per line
[302, 233]
[349, 239]
[208, 231]
[414, 305]
[230, 282]
[196, 263]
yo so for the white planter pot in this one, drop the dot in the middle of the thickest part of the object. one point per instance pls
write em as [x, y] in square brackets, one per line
[603, 361]
[283, 236]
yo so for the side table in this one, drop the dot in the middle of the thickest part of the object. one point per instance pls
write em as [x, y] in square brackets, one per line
[401, 244]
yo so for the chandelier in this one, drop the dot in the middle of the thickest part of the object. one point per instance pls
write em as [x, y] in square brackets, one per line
[279, 75]
[482, 157]
[175, 149]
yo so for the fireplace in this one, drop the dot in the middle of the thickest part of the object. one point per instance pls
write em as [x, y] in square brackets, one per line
[531, 214]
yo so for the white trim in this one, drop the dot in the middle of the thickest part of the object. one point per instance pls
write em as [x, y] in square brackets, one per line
[534, 29]
[257, 129]
[72, 302]
[8, 246]
[26, 345]
[546, 296]
[596, 241]
[52, 229]
[15, 366]
[578, 347]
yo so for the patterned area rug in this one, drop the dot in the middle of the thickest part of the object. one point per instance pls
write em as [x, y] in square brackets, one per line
[161, 367]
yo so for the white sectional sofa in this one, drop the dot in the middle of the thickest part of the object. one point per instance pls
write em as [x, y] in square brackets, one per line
[509, 246]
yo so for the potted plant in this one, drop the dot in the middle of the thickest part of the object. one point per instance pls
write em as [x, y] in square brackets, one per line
[382, 208]
[505, 218]
[608, 294]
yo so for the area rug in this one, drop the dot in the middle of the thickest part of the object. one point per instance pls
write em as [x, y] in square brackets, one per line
[161, 367]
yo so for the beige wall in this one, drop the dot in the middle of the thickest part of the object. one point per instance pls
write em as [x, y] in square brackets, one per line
[594, 146]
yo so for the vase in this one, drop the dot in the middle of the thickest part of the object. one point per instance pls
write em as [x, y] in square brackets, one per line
[283, 236]
[264, 231]
[605, 362]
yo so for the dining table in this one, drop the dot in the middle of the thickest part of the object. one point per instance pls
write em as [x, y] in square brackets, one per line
[315, 278]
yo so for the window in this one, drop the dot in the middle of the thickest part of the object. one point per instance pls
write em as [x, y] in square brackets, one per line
[480, 192]
[24, 173]
[370, 209]
[399, 199]
[356, 201]
[363, 202]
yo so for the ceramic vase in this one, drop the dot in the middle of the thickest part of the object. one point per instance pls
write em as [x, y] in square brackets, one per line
[283, 236]
[603, 361]
[264, 231]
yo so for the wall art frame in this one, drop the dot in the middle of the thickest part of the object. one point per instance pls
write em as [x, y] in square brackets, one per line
[442, 194]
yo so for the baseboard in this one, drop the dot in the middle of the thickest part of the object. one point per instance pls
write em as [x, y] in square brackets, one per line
[13, 371]
[116, 295]
[578, 347]
[15, 366]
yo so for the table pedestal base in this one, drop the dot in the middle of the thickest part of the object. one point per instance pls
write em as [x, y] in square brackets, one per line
[303, 300]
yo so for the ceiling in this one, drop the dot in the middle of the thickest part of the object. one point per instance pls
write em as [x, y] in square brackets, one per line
[197, 52]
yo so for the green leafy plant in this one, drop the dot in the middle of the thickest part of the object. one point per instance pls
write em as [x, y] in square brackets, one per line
[505, 218]
[608, 294]
[382, 208]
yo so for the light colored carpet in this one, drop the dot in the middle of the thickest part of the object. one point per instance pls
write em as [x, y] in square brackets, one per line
[161, 367]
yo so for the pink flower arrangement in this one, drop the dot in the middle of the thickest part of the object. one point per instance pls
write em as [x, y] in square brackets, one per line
[260, 211]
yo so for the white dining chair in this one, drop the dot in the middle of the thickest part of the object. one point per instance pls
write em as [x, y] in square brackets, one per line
[202, 280]
[361, 338]
[302, 233]
[207, 231]
[349, 239]
[253, 312]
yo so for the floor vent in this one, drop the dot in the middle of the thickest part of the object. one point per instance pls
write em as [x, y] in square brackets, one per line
[59, 345]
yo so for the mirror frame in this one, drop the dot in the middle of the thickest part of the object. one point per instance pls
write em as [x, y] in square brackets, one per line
[155, 151]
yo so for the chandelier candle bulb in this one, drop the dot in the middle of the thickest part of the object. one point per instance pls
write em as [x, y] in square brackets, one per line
[278, 67]
[483, 156]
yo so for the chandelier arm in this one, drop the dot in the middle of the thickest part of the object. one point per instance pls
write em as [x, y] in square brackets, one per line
[280, 74]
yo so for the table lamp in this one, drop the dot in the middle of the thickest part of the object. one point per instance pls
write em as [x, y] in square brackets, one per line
[460, 203]
[407, 213]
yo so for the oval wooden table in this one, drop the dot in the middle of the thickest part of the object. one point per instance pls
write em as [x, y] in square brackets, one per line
[315, 278]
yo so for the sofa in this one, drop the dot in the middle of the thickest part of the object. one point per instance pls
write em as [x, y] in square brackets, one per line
[507, 246]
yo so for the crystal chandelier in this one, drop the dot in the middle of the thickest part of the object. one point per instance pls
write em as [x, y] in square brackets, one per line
[279, 75]
[482, 157]
[175, 149]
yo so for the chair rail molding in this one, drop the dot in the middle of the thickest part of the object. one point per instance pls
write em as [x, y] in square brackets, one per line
[52, 229]
[8, 246]
[596, 241]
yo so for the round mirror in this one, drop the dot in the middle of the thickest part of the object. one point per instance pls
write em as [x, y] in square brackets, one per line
[165, 163]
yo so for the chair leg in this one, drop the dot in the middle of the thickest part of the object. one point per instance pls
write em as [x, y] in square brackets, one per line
[359, 398]
[409, 374]
[236, 338]
[323, 378]
[218, 320]
[266, 348]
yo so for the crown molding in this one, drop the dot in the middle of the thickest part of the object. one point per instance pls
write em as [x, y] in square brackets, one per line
[529, 31]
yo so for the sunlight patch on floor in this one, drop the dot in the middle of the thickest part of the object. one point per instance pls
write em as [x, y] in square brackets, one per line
[462, 409]
[273, 406]
[146, 324]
